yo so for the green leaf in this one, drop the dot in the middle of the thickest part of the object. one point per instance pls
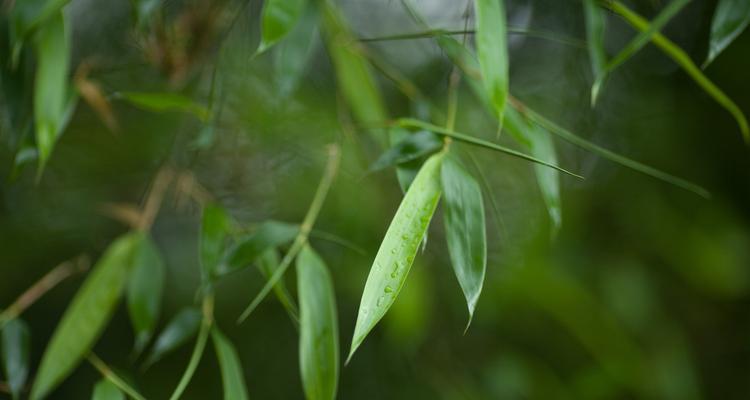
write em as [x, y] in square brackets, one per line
[106, 390]
[398, 249]
[215, 226]
[16, 339]
[248, 249]
[232, 377]
[144, 11]
[595, 28]
[179, 330]
[52, 45]
[465, 230]
[27, 16]
[277, 19]
[293, 54]
[164, 102]
[87, 315]
[319, 330]
[410, 148]
[268, 263]
[730, 19]
[492, 52]
[144, 292]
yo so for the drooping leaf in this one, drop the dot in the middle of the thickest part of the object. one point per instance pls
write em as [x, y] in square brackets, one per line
[319, 330]
[595, 28]
[232, 377]
[278, 19]
[398, 249]
[267, 264]
[164, 102]
[179, 330]
[215, 226]
[16, 339]
[144, 292]
[52, 45]
[87, 315]
[492, 51]
[248, 249]
[292, 55]
[730, 19]
[106, 390]
[465, 231]
[410, 148]
[27, 16]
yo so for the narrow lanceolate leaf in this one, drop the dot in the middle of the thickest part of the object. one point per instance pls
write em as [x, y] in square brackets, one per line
[464, 229]
[268, 263]
[106, 390]
[27, 16]
[232, 377]
[179, 330]
[164, 102]
[730, 19]
[398, 249]
[492, 51]
[277, 19]
[248, 249]
[87, 315]
[410, 148]
[16, 339]
[215, 227]
[52, 45]
[144, 292]
[595, 28]
[292, 55]
[319, 328]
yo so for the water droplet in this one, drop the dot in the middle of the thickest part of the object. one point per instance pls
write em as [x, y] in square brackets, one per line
[388, 289]
[405, 237]
[380, 301]
[394, 275]
[393, 250]
[365, 311]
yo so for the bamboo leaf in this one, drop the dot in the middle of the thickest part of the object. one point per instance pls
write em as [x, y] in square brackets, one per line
[595, 29]
[29, 15]
[410, 148]
[730, 19]
[106, 390]
[319, 331]
[16, 339]
[248, 249]
[144, 292]
[292, 55]
[232, 377]
[398, 249]
[164, 102]
[52, 45]
[87, 315]
[179, 330]
[268, 263]
[277, 19]
[492, 51]
[465, 231]
[215, 226]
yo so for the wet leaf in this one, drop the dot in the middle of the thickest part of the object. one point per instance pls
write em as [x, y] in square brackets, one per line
[144, 292]
[595, 28]
[179, 330]
[106, 390]
[87, 315]
[277, 19]
[730, 19]
[492, 52]
[398, 249]
[215, 226]
[465, 231]
[164, 102]
[16, 342]
[319, 330]
[410, 148]
[293, 54]
[232, 377]
[248, 249]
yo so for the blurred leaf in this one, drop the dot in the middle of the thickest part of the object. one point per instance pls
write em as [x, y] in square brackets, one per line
[179, 330]
[87, 315]
[215, 227]
[595, 27]
[319, 330]
[232, 377]
[730, 19]
[106, 390]
[28, 15]
[16, 338]
[144, 292]
[277, 19]
[163, 102]
[267, 264]
[683, 60]
[52, 44]
[492, 51]
[248, 249]
[293, 54]
[144, 10]
[398, 249]
[640, 40]
[410, 148]
[465, 232]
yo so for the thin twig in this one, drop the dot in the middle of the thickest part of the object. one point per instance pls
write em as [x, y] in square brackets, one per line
[111, 376]
[538, 34]
[154, 198]
[334, 158]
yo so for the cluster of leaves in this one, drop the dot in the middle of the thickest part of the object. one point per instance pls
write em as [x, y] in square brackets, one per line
[423, 153]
